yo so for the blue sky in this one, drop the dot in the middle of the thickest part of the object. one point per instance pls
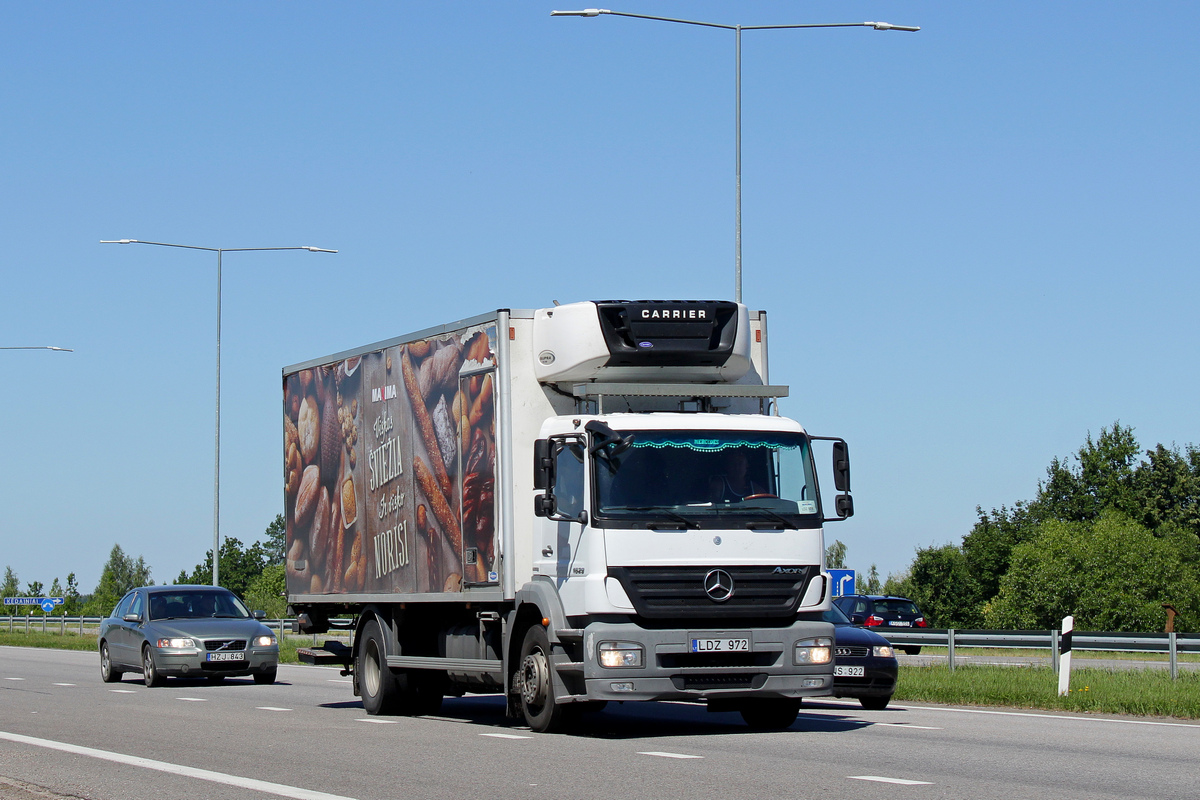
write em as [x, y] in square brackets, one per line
[975, 243]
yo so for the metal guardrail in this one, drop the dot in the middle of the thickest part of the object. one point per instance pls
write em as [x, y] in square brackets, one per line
[1170, 644]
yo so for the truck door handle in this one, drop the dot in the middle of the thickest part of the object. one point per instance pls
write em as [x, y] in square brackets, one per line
[547, 551]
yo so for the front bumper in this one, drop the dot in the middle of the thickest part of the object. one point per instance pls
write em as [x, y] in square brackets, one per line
[879, 679]
[192, 662]
[671, 672]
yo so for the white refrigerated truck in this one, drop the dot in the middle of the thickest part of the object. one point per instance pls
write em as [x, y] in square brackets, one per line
[572, 505]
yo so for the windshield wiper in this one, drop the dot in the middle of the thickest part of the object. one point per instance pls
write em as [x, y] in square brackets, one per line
[787, 523]
[682, 520]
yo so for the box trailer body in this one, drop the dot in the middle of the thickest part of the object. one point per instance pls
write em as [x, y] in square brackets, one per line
[591, 502]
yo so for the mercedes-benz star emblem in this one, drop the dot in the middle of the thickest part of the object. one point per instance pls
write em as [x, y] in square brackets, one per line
[718, 584]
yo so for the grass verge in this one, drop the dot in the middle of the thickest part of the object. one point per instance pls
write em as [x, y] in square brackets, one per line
[1127, 691]
[73, 641]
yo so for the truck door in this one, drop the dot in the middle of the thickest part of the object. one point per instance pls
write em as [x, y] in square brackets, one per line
[557, 547]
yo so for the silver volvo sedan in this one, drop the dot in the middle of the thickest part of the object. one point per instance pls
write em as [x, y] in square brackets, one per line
[202, 632]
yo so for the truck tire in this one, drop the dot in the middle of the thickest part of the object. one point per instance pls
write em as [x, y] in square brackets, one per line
[108, 673]
[770, 715]
[536, 679]
[380, 694]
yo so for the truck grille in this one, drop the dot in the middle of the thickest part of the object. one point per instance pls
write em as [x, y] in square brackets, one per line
[679, 592]
[735, 681]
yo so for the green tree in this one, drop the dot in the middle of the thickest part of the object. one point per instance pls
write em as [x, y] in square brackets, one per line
[1111, 573]
[868, 585]
[835, 555]
[72, 603]
[987, 548]
[939, 581]
[56, 591]
[121, 573]
[276, 533]
[239, 566]
[12, 587]
[268, 592]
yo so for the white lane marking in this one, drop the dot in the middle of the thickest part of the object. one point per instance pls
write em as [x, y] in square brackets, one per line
[380, 721]
[1050, 716]
[271, 708]
[906, 725]
[253, 784]
[506, 736]
[338, 680]
[64, 684]
[193, 699]
[897, 781]
[14, 679]
[124, 691]
[668, 755]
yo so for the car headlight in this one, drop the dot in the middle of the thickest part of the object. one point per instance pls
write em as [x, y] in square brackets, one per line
[885, 651]
[620, 654]
[814, 651]
[176, 643]
[264, 641]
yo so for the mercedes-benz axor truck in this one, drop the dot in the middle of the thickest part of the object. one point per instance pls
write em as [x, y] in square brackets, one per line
[568, 506]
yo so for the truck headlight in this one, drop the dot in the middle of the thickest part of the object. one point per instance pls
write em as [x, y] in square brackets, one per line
[621, 654]
[264, 641]
[814, 651]
[885, 651]
[178, 643]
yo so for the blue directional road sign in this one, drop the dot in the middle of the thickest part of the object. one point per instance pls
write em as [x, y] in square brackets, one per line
[843, 581]
[47, 603]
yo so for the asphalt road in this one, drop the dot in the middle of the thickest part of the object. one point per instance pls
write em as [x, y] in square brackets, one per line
[64, 733]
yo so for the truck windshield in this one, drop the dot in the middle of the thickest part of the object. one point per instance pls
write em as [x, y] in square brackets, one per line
[705, 479]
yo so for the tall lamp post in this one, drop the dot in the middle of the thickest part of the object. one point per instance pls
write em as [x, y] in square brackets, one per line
[217, 458]
[737, 29]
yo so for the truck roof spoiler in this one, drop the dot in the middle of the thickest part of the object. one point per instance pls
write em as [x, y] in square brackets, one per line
[702, 392]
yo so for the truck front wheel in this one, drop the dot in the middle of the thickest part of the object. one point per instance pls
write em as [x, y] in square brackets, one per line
[380, 694]
[542, 714]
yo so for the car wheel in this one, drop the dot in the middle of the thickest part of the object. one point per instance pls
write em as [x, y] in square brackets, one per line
[912, 651]
[770, 715]
[266, 676]
[877, 703]
[150, 672]
[108, 673]
[376, 682]
[541, 712]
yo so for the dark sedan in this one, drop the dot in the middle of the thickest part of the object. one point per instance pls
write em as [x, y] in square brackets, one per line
[864, 663]
[187, 632]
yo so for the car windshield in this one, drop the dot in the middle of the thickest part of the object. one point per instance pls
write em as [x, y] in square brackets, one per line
[895, 606]
[196, 603]
[702, 478]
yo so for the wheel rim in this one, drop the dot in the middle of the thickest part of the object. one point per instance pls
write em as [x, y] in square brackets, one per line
[148, 665]
[371, 669]
[535, 675]
[105, 664]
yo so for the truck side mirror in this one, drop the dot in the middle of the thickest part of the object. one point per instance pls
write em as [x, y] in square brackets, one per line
[841, 469]
[543, 465]
[845, 506]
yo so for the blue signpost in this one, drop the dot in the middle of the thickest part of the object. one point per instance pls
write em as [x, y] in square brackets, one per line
[47, 604]
[843, 581]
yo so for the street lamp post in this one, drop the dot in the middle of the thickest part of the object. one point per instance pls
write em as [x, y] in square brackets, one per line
[737, 29]
[217, 458]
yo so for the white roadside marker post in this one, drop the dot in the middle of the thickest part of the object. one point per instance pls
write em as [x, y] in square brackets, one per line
[1064, 656]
